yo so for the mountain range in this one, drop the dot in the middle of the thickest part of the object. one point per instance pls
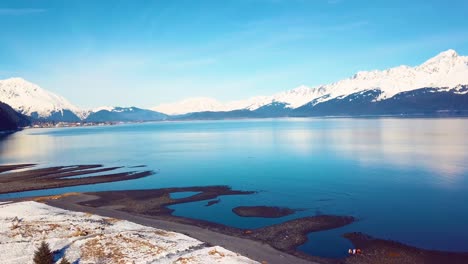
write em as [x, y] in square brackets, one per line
[445, 71]
[438, 86]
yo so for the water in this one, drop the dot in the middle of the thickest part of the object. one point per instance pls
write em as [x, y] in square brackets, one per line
[404, 179]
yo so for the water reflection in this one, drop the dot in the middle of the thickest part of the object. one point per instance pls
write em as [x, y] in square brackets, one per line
[438, 145]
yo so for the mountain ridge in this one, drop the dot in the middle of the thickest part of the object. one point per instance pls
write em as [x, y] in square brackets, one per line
[30, 99]
[447, 69]
[441, 74]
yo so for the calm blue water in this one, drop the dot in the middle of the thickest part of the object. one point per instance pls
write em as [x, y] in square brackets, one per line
[404, 179]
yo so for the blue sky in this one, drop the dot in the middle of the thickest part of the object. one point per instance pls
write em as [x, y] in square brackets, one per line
[143, 53]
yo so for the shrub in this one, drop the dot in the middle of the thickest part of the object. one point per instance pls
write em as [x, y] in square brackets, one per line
[64, 261]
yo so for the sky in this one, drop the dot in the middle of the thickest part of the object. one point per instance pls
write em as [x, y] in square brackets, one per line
[143, 53]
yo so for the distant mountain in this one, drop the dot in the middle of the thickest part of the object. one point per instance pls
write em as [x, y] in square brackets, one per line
[198, 104]
[447, 70]
[42, 105]
[124, 114]
[436, 87]
[31, 100]
[10, 119]
[423, 101]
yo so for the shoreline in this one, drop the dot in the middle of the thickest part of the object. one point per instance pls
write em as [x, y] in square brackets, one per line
[273, 244]
[246, 247]
[237, 240]
[284, 237]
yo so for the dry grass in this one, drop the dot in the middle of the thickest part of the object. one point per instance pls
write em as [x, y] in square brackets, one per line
[111, 220]
[115, 249]
[216, 252]
[94, 251]
[88, 214]
[162, 233]
[138, 244]
[183, 260]
[42, 199]
[30, 229]
[79, 232]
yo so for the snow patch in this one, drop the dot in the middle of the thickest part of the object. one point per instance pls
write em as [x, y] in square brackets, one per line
[94, 239]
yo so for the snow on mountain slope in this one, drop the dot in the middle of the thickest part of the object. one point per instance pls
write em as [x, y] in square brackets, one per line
[28, 98]
[107, 108]
[197, 104]
[447, 69]
[295, 98]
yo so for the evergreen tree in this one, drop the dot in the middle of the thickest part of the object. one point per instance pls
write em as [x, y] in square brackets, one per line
[64, 261]
[43, 255]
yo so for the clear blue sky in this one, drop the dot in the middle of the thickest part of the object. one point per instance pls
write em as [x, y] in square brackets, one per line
[142, 53]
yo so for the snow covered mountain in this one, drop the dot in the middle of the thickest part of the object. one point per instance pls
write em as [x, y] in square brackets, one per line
[439, 84]
[31, 100]
[196, 104]
[123, 114]
[447, 69]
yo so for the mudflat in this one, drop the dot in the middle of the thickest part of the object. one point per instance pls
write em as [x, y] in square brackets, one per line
[272, 244]
[263, 211]
[22, 177]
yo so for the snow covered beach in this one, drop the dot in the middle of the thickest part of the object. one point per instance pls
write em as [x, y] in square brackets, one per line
[90, 238]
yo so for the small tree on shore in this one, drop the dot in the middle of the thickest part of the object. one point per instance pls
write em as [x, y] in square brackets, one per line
[43, 255]
[64, 261]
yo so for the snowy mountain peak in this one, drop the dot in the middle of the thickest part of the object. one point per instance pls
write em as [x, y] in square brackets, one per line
[28, 98]
[444, 59]
[18, 81]
[196, 104]
[447, 69]
[19, 84]
[450, 53]
[301, 88]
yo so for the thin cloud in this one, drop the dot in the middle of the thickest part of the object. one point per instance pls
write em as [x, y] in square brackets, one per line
[21, 11]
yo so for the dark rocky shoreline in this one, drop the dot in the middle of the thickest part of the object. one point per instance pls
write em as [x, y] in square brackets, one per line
[285, 236]
[385, 251]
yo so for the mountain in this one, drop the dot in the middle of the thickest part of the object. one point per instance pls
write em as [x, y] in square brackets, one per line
[191, 105]
[437, 86]
[123, 114]
[423, 101]
[31, 100]
[443, 72]
[10, 119]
